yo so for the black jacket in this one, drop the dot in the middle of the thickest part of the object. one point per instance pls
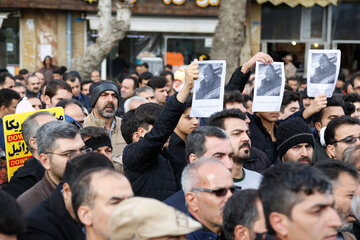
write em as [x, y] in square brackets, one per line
[178, 159]
[146, 164]
[238, 80]
[258, 161]
[85, 100]
[25, 177]
[50, 220]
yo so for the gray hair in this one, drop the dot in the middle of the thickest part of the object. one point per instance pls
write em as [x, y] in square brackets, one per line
[355, 206]
[48, 134]
[143, 89]
[128, 101]
[191, 176]
[351, 155]
[30, 127]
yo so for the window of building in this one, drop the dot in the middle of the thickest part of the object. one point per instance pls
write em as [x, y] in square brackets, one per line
[346, 21]
[9, 42]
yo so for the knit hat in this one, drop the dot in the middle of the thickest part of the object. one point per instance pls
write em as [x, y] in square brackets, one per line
[102, 87]
[144, 218]
[291, 132]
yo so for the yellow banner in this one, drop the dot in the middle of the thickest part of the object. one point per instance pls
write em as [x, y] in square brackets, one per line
[16, 149]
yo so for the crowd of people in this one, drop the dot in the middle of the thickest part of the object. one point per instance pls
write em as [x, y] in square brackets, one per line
[130, 162]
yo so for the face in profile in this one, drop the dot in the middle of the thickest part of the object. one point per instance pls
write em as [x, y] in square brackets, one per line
[324, 61]
[269, 73]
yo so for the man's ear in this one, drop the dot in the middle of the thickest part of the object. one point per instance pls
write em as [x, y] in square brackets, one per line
[241, 232]
[191, 201]
[84, 215]
[66, 191]
[141, 132]
[47, 100]
[318, 126]
[192, 157]
[32, 142]
[45, 160]
[2, 108]
[330, 151]
[279, 222]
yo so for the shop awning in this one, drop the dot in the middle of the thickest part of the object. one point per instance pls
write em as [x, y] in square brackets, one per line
[305, 3]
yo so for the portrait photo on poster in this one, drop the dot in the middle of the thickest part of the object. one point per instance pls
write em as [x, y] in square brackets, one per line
[269, 87]
[323, 70]
[269, 83]
[209, 80]
[209, 88]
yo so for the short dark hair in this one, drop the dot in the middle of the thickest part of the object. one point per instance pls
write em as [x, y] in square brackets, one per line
[334, 101]
[334, 124]
[246, 99]
[6, 97]
[351, 97]
[145, 75]
[86, 82]
[240, 209]
[349, 108]
[19, 77]
[288, 97]
[19, 84]
[233, 96]
[70, 77]
[135, 81]
[128, 126]
[287, 88]
[3, 76]
[23, 71]
[218, 118]
[164, 73]
[55, 85]
[94, 132]
[76, 74]
[121, 76]
[195, 142]
[169, 66]
[285, 185]
[353, 77]
[12, 218]
[292, 79]
[146, 114]
[157, 82]
[57, 70]
[333, 168]
[77, 165]
[145, 65]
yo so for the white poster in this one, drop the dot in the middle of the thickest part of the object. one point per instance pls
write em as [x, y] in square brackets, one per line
[208, 95]
[323, 70]
[269, 87]
[45, 50]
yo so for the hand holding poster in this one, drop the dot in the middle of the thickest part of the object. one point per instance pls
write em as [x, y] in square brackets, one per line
[269, 87]
[16, 149]
[209, 88]
[322, 73]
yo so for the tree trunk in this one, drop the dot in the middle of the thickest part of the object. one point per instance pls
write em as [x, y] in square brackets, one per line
[110, 31]
[229, 36]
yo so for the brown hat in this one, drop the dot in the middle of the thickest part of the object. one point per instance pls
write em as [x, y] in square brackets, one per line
[144, 218]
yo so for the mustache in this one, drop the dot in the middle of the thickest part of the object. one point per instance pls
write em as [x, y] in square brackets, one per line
[246, 144]
[304, 159]
[110, 105]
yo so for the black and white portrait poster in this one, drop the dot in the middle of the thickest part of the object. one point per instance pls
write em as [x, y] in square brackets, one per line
[209, 88]
[269, 87]
[323, 70]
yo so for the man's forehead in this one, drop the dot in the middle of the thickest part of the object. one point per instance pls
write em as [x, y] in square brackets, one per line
[235, 123]
[315, 200]
[333, 111]
[346, 130]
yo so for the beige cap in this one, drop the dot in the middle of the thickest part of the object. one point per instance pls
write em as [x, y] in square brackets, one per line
[144, 218]
[288, 57]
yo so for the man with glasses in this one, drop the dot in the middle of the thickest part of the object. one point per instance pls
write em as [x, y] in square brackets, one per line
[207, 185]
[341, 133]
[57, 142]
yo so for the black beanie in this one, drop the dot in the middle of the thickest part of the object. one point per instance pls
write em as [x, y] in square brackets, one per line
[291, 132]
[102, 87]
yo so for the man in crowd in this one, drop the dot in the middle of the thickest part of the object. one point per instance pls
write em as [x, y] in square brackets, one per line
[133, 103]
[147, 218]
[75, 85]
[290, 104]
[298, 203]
[95, 195]
[33, 86]
[146, 92]
[293, 82]
[74, 109]
[128, 87]
[32, 171]
[41, 77]
[169, 76]
[295, 141]
[144, 78]
[56, 91]
[145, 162]
[20, 89]
[55, 218]
[234, 99]
[95, 76]
[354, 99]
[232, 121]
[344, 180]
[6, 80]
[244, 216]
[57, 142]
[104, 101]
[85, 87]
[341, 133]
[207, 185]
[159, 85]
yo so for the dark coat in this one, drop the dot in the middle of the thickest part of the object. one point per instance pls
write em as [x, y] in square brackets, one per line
[50, 220]
[146, 163]
[177, 200]
[25, 177]
[178, 156]
[238, 80]
[258, 161]
[85, 100]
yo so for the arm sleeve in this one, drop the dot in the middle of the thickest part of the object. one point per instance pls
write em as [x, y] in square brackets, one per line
[238, 80]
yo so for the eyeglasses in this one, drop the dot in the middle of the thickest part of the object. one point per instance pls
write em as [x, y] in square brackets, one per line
[72, 153]
[349, 140]
[218, 192]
